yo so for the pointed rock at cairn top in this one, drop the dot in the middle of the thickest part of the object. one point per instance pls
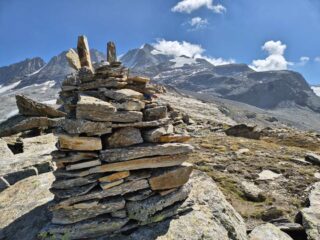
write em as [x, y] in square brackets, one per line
[111, 52]
[84, 52]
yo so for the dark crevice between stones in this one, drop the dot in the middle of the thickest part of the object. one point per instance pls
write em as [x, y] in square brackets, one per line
[16, 147]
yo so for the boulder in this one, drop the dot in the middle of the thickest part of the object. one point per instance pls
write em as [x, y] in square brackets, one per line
[268, 175]
[84, 53]
[242, 130]
[153, 135]
[73, 59]
[125, 137]
[124, 154]
[268, 231]
[313, 158]
[311, 215]
[79, 143]
[252, 192]
[138, 79]
[151, 114]
[29, 107]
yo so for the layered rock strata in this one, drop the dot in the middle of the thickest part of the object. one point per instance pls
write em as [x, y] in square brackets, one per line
[119, 161]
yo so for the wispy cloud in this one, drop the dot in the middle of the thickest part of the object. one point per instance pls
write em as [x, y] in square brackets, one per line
[188, 6]
[275, 59]
[176, 48]
[197, 23]
[317, 59]
[303, 61]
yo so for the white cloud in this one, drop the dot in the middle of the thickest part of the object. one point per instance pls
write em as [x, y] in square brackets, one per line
[317, 59]
[197, 23]
[188, 6]
[303, 61]
[275, 60]
[177, 49]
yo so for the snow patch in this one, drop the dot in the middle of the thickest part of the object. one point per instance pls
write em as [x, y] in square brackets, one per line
[35, 72]
[4, 89]
[316, 90]
[181, 61]
[50, 102]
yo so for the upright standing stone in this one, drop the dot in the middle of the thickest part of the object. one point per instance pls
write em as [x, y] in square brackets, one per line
[84, 52]
[111, 52]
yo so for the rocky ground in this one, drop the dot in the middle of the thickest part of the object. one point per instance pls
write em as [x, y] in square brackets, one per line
[265, 179]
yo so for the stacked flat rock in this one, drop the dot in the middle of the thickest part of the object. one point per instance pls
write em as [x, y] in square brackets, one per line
[120, 164]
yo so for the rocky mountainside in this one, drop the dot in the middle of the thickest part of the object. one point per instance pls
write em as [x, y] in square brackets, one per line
[12, 73]
[37, 71]
[267, 90]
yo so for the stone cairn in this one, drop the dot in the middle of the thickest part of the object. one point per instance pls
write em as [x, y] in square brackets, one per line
[120, 164]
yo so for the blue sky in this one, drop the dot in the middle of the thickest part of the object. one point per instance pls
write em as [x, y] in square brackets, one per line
[221, 31]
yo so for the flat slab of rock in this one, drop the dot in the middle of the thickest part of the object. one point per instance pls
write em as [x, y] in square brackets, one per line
[129, 105]
[74, 182]
[101, 83]
[125, 137]
[138, 79]
[151, 114]
[148, 124]
[82, 165]
[115, 176]
[78, 126]
[79, 143]
[144, 163]
[121, 190]
[142, 210]
[311, 215]
[29, 107]
[89, 229]
[268, 231]
[73, 192]
[124, 154]
[178, 138]
[122, 94]
[77, 213]
[313, 158]
[170, 178]
[19, 123]
[105, 185]
[72, 157]
[94, 109]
